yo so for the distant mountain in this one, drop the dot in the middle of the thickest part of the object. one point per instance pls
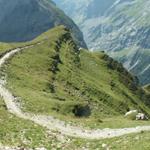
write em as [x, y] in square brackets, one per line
[120, 27]
[23, 20]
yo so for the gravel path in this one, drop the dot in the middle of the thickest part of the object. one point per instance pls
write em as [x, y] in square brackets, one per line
[54, 124]
[19, 148]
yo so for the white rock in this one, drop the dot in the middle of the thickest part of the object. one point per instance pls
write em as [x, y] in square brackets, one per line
[104, 145]
[137, 137]
[141, 116]
[131, 112]
[42, 148]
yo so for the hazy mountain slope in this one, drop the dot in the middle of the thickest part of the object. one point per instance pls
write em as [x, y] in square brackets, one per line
[86, 9]
[63, 81]
[24, 20]
[121, 27]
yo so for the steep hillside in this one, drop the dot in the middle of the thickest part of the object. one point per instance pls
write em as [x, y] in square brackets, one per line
[120, 27]
[25, 20]
[147, 88]
[67, 82]
[19, 134]
[80, 87]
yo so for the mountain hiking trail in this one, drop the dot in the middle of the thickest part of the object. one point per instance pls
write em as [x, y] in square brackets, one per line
[54, 124]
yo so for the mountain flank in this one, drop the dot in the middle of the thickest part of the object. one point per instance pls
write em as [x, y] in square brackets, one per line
[22, 21]
[73, 82]
[120, 27]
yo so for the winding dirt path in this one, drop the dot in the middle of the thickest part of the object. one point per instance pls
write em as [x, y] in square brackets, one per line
[54, 124]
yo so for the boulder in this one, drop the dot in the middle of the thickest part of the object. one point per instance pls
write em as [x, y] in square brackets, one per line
[131, 114]
[141, 116]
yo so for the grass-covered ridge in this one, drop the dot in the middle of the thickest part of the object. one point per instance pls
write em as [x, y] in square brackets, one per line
[59, 79]
[5, 47]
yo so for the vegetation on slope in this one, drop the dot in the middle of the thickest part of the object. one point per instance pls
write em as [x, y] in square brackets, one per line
[132, 142]
[24, 134]
[67, 82]
[18, 132]
[56, 78]
[147, 88]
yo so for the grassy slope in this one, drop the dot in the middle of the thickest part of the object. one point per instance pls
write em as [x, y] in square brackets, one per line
[30, 77]
[59, 77]
[18, 132]
[132, 142]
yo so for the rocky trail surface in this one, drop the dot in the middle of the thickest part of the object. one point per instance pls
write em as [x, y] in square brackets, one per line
[54, 124]
[18, 148]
